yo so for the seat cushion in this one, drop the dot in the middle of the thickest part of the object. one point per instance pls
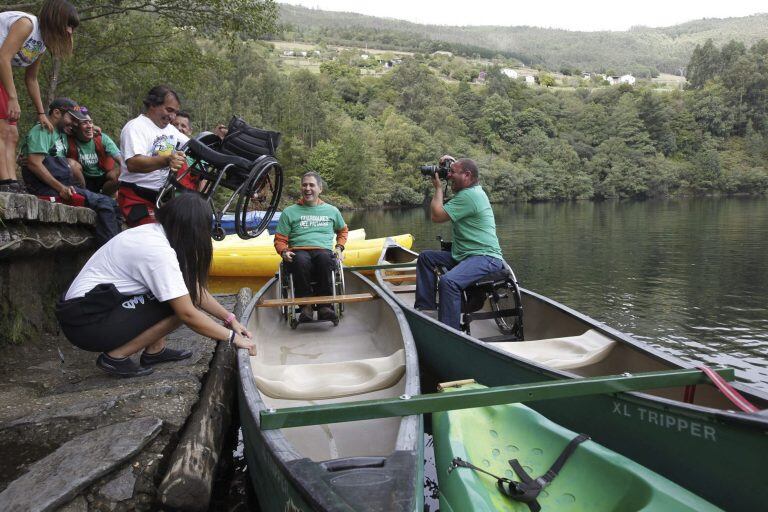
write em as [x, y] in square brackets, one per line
[562, 353]
[328, 380]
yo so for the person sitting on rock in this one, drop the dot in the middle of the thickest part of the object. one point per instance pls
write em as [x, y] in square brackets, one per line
[97, 154]
[142, 285]
[304, 238]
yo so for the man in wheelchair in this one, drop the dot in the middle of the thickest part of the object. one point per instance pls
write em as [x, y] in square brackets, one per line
[304, 238]
[475, 251]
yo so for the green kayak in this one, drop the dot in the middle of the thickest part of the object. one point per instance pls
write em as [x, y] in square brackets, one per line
[592, 479]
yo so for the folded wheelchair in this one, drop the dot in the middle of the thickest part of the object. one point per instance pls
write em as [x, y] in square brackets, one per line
[241, 168]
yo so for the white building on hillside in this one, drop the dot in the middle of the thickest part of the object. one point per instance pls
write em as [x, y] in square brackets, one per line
[530, 79]
[509, 73]
[627, 79]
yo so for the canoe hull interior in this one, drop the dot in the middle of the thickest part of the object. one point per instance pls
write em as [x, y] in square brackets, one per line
[712, 451]
[373, 465]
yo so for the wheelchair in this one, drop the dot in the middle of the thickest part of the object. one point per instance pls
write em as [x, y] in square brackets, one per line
[242, 163]
[501, 291]
[290, 313]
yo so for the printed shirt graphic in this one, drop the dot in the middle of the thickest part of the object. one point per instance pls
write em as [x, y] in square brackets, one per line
[310, 226]
[33, 46]
[140, 136]
[474, 226]
[40, 141]
[87, 156]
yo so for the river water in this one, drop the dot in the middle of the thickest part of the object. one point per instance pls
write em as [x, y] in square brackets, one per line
[688, 276]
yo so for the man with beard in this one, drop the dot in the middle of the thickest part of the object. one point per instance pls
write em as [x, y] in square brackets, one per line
[48, 172]
[149, 144]
[97, 154]
[475, 251]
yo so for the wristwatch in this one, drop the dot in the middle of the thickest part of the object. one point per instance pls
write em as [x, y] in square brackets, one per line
[340, 247]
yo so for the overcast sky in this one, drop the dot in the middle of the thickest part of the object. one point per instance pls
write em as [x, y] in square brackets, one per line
[585, 15]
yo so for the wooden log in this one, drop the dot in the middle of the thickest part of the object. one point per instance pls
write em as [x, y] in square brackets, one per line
[189, 481]
[302, 301]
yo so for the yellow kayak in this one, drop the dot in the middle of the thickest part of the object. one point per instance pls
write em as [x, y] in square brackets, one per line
[257, 257]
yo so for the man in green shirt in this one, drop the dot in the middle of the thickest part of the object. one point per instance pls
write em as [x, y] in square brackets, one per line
[304, 238]
[97, 154]
[475, 251]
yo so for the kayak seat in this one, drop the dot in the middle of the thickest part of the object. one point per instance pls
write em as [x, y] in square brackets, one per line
[328, 380]
[562, 353]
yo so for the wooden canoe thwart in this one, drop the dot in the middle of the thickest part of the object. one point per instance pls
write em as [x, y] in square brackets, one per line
[411, 278]
[692, 435]
[303, 301]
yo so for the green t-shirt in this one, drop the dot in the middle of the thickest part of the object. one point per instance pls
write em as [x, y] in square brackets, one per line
[310, 226]
[474, 227]
[89, 158]
[40, 141]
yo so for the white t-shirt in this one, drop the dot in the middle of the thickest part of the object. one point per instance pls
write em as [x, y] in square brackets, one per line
[33, 46]
[137, 261]
[141, 136]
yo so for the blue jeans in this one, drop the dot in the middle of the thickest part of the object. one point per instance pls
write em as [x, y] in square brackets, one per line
[460, 275]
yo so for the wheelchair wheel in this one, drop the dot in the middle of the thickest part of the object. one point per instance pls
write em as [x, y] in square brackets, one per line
[282, 290]
[218, 233]
[337, 283]
[261, 192]
[509, 298]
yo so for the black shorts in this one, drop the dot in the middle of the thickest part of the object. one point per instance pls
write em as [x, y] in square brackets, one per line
[104, 320]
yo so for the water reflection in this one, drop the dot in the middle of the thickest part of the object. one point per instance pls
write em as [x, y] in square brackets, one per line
[688, 276]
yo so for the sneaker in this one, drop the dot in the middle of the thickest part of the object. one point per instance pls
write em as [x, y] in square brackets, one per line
[124, 367]
[326, 313]
[165, 355]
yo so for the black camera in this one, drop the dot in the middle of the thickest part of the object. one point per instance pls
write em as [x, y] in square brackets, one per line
[441, 170]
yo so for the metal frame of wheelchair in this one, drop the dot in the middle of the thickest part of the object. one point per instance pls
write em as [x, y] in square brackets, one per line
[492, 288]
[251, 178]
[285, 290]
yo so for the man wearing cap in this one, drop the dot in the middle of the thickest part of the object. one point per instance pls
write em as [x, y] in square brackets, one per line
[47, 171]
[149, 144]
[97, 154]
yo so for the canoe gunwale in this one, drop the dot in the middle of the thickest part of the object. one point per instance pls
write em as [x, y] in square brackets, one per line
[729, 416]
[282, 452]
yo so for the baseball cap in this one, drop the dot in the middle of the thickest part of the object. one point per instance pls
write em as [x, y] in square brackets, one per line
[67, 105]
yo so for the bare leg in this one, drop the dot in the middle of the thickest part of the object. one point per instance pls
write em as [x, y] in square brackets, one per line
[153, 338]
[77, 172]
[9, 137]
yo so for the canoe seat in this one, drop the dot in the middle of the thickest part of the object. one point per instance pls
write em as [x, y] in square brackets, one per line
[562, 353]
[328, 380]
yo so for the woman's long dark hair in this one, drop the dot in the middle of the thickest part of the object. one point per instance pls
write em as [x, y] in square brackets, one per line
[186, 220]
[55, 16]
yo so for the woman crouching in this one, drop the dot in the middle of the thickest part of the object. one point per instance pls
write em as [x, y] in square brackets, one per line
[143, 284]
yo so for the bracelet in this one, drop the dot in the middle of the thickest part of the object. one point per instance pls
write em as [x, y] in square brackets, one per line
[231, 337]
[340, 247]
[230, 318]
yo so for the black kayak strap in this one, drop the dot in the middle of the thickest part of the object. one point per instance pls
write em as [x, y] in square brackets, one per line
[528, 489]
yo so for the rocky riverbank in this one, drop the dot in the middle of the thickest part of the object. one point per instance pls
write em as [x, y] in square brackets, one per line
[73, 437]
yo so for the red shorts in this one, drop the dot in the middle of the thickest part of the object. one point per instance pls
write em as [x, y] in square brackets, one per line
[4, 105]
[136, 210]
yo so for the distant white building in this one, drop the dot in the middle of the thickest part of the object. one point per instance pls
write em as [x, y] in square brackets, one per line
[365, 56]
[627, 79]
[443, 53]
[510, 73]
[530, 79]
[288, 53]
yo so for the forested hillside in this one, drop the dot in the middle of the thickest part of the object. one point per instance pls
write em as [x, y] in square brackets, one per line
[368, 133]
[640, 51]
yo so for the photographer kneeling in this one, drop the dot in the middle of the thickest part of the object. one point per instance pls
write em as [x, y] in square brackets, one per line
[475, 251]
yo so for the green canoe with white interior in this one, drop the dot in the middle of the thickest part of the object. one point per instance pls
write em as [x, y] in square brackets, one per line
[593, 478]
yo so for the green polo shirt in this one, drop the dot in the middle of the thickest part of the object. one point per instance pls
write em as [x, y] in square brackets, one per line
[40, 141]
[474, 227]
[310, 226]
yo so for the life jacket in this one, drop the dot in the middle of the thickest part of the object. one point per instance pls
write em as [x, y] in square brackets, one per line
[106, 162]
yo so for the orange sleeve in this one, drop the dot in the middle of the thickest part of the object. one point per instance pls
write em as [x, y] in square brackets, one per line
[341, 236]
[281, 243]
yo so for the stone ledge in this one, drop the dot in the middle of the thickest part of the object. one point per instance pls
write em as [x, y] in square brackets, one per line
[20, 238]
[28, 207]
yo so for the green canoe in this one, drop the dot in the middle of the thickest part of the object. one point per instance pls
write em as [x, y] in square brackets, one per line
[593, 478]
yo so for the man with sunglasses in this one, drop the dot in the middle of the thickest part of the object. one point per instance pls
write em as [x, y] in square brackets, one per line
[97, 154]
[475, 251]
